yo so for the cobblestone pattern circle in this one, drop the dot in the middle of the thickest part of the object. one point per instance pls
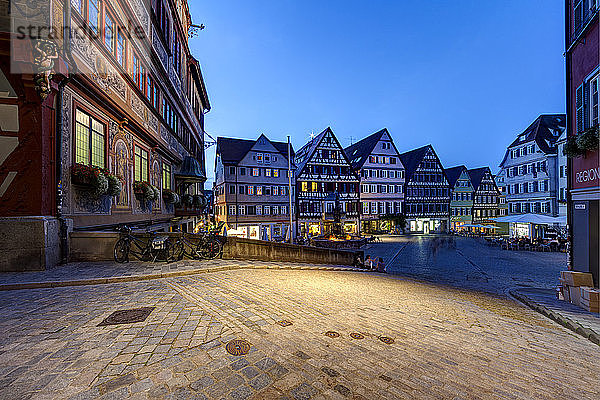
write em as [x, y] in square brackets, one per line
[332, 334]
[356, 335]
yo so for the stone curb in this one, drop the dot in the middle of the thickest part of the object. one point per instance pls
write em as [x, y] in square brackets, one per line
[135, 278]
[557, 317]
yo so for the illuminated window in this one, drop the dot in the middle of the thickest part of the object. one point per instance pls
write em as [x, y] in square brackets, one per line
[255, 172]
[140, 167]
[94, 15]
[109, 32]
[259, 190]
[275, 173]
[268, 172]
[314, 187]
[89, 140]
[305, 186]
[166, 176]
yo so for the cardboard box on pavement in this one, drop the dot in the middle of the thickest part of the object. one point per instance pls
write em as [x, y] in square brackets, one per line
[574, 294]
[590, 294]
[574, 278]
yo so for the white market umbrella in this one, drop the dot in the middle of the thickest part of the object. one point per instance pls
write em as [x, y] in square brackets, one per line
[532, 219]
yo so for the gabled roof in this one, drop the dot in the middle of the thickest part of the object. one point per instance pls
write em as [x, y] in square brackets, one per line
[476, 175]
[545, 131]
[308, 150]
[452, 174]
[233, 150]
[359, 152]
[412, 159]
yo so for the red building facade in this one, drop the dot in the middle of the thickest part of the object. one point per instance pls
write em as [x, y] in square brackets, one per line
[583, 85]
[121, 97]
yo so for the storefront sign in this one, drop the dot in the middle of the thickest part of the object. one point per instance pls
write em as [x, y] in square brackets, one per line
[588, 175]
[580, 206]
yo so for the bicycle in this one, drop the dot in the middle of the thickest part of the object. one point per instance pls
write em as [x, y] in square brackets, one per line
[157, 247]
[207, 247]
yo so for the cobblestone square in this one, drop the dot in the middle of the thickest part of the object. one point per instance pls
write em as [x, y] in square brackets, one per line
[447, 342]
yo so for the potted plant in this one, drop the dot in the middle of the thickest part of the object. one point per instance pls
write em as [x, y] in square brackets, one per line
[170, 197]
[197, 201]
[588, 140]
[91, 177]
[144, 191]
[572, 149]
[187, 200]
[114, 185]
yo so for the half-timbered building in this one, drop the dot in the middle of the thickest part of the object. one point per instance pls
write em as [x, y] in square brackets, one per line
[486, 196]
[426, 192]
[377, 161]
[326, 186]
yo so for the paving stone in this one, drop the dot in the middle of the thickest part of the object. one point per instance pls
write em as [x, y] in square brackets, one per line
[202, 383]
[250, 372]
[260, 382]
[303, 392]
[241, 393]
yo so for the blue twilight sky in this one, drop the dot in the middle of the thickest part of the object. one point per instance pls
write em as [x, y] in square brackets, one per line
[463, 75]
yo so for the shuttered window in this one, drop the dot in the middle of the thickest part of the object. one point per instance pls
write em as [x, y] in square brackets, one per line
[580, 108]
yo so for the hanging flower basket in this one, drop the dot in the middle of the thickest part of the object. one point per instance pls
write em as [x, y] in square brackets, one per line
[197, 201]
[588, 140]
[114, 185]
[145, 192]
[90, 177]
[187, 200]
[170, 197]
[572, 149]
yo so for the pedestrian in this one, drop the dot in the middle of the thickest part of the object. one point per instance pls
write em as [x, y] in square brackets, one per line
[380, 265]
[369, 262]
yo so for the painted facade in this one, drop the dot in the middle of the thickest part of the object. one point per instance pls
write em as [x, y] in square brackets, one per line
[326, 184]
[128, 99]
[251, 192]
[377, 161]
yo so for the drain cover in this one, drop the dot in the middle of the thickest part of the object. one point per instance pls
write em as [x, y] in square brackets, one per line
[332, 334]
[356, 335]
[237, 347]
[127, 316]
[386, 340]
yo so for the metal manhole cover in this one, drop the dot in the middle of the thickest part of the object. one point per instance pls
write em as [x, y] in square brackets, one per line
[332, 334]
[386, 340]
[237, 347]
[127, 316]
[356, 335]
[284, 322]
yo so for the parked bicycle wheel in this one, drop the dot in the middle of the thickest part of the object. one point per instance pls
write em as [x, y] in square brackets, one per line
[121, 252]
[177, 251]
[211, 249]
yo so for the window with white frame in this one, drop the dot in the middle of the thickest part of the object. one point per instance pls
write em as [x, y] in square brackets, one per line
[594, 101]
[258, 210]
[283, 210]
[231, 210]
[275, 210]
[267, 210]
[242, 210]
